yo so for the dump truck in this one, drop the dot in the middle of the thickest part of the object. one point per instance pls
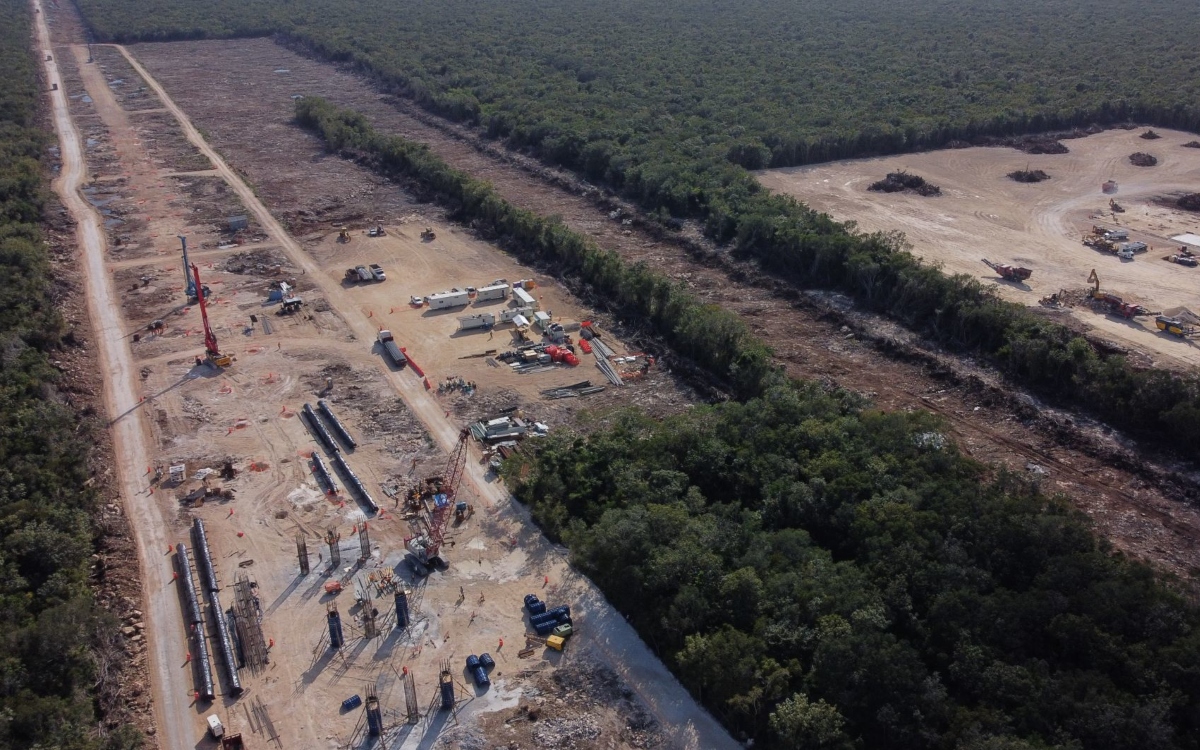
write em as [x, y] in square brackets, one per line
[377, 272]
[358, 273]
[1007, 272]
[389, 345]
[428, 235]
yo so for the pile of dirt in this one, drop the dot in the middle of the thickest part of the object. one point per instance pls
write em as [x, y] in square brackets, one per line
[897, 182]
[1192, 144]
[1141, 159]
[1190, 202]
[1150, 135]
[1029, 175]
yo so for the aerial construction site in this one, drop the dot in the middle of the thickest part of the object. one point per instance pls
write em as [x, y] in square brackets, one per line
[316, 375]
[311, 419]
[1090, 207]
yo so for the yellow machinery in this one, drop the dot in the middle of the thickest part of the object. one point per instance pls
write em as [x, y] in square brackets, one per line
[1174, 326]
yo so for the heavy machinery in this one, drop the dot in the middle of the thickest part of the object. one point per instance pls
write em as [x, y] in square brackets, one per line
[427, 235]
[1116, 305]
[215, 357]
[1184, 257]
[191, 287]
[376, 231]
[1007, 272]
[462, 511]
[1117, 208]
[343, 237]
[436, 499]
[1175, 327]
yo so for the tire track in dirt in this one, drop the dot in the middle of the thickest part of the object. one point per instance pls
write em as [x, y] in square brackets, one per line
[810, 340]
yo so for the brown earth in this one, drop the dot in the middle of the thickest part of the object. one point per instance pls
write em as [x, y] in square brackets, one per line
[1146, 509]
[198, 418]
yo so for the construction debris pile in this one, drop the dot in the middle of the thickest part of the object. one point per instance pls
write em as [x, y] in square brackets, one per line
[583, 388]
[1190, 202]
[538, 357]
[897, 182]
[1029, 175]
[1150, 135]
[1142, 159]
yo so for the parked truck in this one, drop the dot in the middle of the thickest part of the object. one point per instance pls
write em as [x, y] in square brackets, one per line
[358, 273]
[377, 272]
[393, 350]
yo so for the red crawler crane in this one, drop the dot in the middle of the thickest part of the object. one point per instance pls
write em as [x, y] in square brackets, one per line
[210, 339]
[441, 491]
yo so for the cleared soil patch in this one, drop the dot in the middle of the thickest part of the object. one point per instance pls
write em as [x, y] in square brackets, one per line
[982, 214]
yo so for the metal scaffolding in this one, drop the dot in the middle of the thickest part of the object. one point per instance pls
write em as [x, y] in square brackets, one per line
[247, 617]
[302, 552]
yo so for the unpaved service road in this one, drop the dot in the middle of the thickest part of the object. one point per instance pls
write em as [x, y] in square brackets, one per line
[984, 214]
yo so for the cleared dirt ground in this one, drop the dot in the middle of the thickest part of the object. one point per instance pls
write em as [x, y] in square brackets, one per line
[200, 418]
[984, 214]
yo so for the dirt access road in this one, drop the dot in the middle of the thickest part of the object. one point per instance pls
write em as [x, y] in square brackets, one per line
[982, 213]
[239, 89]
[163, 618]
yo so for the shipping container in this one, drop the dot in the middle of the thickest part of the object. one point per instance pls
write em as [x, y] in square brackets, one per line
[444, 300]
[488, 293]
[507, 316]
[524, 298]
[470, 322]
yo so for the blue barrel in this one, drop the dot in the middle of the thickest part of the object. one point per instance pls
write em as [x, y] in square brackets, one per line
[530, 600]
[479, 674]
[564, 620]
[543, 617]
[559, 611]
[487, 662]
[353, 701]
[545, 628]
[537, 608]
[472, 661]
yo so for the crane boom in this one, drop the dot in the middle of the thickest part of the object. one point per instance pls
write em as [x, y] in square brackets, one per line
[210, 338]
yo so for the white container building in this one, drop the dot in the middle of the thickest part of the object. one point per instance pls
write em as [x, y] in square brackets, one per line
[443, 300]
[470, 322]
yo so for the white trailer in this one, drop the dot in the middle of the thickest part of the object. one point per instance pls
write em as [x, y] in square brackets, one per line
[470, 322]
[1117, 235]
[507, 316]
[524, 298]
[488, 293]
[542, 321]
[444, 300]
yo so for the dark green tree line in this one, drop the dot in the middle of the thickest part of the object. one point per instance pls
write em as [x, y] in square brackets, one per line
[47, 617]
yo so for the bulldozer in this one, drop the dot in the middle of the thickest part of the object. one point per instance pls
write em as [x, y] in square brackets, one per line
[343, 237]
[428, 235]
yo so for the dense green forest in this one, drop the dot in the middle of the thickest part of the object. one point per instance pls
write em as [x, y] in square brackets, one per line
[824, 577]
[47, 618]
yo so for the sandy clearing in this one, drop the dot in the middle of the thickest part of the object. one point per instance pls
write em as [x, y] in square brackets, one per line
[984, 214]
